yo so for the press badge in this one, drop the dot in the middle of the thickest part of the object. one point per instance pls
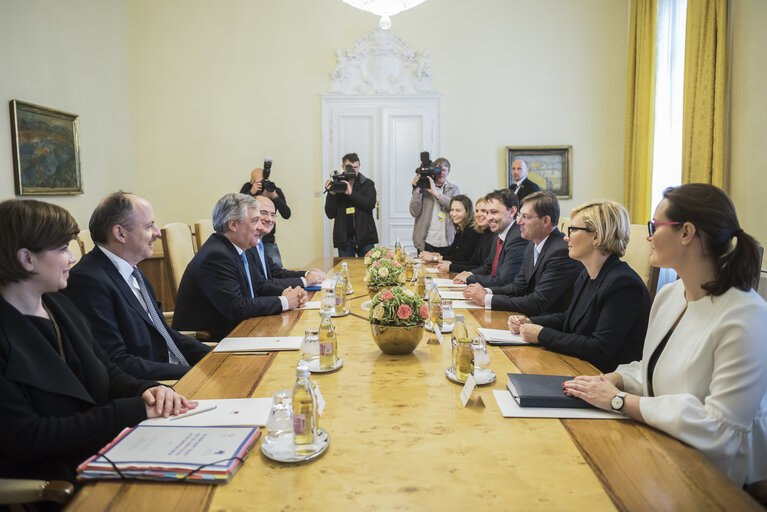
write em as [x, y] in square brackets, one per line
[350, 210]
[441, 216]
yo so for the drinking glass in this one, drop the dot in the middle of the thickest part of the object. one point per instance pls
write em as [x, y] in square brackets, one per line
[310, 348]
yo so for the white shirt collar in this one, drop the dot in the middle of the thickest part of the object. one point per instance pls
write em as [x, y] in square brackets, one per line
[539, 246]
[123, 267]
[502, 236]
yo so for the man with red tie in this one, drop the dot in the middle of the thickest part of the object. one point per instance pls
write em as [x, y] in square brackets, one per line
[506, 256]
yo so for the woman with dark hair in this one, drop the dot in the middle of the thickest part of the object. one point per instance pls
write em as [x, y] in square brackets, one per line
[606, 321]
[466, 238]
[702, 376]
[62, 399]
[483, 247]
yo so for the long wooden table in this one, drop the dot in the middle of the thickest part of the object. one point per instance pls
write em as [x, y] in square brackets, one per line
[401, 440]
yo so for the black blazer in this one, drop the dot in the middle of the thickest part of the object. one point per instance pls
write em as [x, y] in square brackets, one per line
[525, 188]
[605, 324]
[509, 263]
[214, 295]
[545, 287]
[363, 199]
[485, 244]
[463, 246]
[276, 275]
[120, 323]
[52, 419]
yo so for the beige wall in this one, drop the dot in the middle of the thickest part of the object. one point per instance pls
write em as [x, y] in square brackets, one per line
[217, 89]
[71, 56]
[748, 120]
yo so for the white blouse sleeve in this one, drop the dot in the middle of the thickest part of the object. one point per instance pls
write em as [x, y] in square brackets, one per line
[719, 424]
[632, 377]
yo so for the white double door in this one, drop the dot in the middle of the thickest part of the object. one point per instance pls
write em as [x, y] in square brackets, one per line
[388, 133]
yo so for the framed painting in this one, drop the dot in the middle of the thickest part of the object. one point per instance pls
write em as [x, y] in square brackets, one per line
[550, 167]
[46, 150]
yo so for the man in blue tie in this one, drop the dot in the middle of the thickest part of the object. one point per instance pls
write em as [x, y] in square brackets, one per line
[220, 287]
[268, 269]
[118, 299]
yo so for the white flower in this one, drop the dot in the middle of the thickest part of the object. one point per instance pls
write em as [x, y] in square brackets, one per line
[401, 278]
[376, 254]
[378, 312]
[383, 271]
[367, 260]
[409, 293]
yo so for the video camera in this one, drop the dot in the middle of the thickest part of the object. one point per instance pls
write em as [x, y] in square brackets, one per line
[269, 186]
[425, 170]
[337, 179]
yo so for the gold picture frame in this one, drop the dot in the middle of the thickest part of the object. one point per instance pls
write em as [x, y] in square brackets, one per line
[46, 150]
[551, 167]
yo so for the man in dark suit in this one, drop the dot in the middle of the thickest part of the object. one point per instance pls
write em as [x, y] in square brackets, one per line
[544, 285]
[521, 185]
[220, 287]
[117, 298]
[508, 249]
[267, 268]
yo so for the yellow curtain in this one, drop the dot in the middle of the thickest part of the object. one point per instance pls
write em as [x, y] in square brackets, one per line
[640, 94]
[705, 80]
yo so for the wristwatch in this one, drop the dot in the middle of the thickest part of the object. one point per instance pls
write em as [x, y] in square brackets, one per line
[618, 401]
[435, 258]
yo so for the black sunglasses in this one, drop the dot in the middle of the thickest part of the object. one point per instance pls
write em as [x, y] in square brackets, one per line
[570, 230]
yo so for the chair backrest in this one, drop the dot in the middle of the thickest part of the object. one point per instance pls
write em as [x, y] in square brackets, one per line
[564, 222]
[203, 228]
[85, 241]
[638, 257]
[76, 248]
[178, 249]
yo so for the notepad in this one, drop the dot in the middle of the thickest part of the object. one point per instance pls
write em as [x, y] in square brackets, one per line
[451, 294]
[312, 304]
[533, 390]
[442, 282]
[466, 304]
[500, 337]
[229, 412]
[259, 344]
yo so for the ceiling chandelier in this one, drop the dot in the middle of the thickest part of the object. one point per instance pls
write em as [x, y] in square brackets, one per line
[384, 8]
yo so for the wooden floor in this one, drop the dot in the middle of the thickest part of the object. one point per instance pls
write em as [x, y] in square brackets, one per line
[401, 440]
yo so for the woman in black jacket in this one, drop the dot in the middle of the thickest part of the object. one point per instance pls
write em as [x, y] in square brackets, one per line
[482, 247]
[606, 321]
[61, 398]
[466, 237]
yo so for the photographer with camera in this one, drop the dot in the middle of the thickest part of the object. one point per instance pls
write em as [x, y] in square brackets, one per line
[350, 201]
[429, 204]
[260, 184]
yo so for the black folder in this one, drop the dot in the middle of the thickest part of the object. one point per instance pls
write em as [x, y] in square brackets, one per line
[532, 390]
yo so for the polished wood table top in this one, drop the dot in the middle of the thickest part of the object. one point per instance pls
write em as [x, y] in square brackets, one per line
[400, 438]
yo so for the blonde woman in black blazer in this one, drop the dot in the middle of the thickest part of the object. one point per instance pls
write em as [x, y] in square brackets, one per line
[606, 321]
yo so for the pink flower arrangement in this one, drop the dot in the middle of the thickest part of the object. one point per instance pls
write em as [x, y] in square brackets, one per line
[387, 295]
[424, 311]
[377, 263]
[404, 311]
[389, 254]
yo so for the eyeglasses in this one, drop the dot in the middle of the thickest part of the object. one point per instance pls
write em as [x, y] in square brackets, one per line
[526, 218]
[570, 230]
[652, 226]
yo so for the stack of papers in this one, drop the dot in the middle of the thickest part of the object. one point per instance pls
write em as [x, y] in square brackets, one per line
[451, 294]
[207, 455]
[466, 304]
[442, 282]
[500, 337]
[259, 344]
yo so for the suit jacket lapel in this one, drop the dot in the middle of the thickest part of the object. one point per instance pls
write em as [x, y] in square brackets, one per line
[125, 290]
[229, 247]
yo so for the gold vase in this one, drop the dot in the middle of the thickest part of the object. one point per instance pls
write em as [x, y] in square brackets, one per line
[397, 340]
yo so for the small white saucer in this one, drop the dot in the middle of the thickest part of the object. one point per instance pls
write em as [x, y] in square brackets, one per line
[443, 331]
[314, 366]
[366, 305]
[336, 315]
[481, 377]
[350, 292]
[284, 450]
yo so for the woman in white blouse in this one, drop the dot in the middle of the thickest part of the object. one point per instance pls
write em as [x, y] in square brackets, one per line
[702, 377]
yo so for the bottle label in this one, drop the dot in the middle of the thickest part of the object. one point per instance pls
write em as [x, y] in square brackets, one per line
[299, 424]
[326, 349]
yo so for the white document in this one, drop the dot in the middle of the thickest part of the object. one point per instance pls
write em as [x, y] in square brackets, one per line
[511, 409]
[231, 412]
[501, 335]
[466, 304]
[442, 282]
[176, 447]
[256, 344]
[451, 294]
[433, 270]
[312, 304]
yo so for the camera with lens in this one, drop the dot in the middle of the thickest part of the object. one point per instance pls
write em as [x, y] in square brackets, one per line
[426, 170]
[337, 179]
[268, 185]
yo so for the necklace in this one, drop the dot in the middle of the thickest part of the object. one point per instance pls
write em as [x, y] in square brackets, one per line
[58, 332]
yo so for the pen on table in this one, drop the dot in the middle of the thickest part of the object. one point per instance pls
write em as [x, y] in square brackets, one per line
[199, 410]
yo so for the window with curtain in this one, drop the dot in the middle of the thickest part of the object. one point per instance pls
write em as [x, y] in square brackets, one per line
[669, 95]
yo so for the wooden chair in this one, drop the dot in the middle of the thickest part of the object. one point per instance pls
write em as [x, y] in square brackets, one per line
[203, 228]
[638, 257]
[76, 248]
[563, 223]
[85, 241]
[178, 251]
[18, 492]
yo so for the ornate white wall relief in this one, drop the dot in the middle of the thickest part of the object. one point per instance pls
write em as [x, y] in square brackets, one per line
[382, 63]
